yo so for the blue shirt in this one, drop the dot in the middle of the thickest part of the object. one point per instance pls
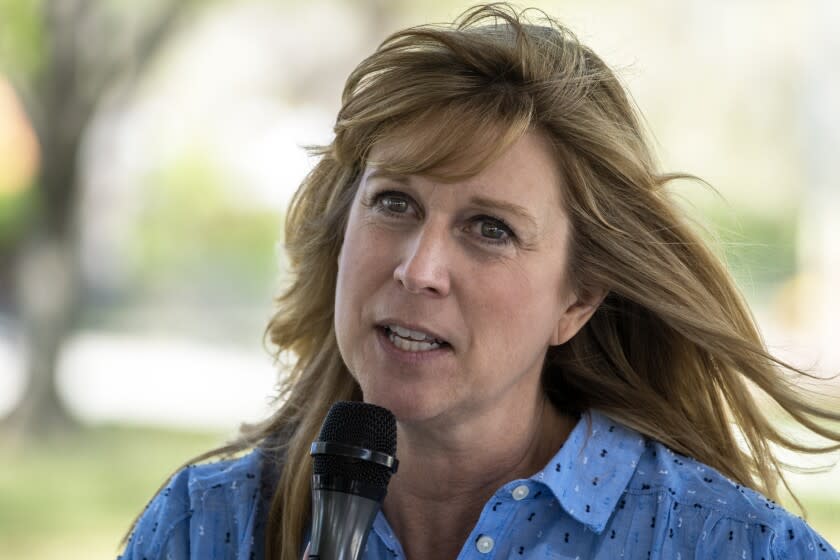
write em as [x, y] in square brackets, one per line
[609, 493]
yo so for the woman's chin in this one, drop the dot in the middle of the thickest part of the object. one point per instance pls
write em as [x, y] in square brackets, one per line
[407, 408]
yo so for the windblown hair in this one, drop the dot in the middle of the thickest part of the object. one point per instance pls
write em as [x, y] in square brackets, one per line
[673, 351]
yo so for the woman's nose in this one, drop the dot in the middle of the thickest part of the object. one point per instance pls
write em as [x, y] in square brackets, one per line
[424, 266]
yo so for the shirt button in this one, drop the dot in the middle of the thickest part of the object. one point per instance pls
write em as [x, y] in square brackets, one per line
[520, 492]
[484, 544]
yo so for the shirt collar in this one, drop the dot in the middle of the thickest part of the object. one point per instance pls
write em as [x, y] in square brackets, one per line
[593, 467]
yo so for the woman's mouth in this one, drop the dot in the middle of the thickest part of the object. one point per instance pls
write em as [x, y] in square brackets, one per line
[410, 340]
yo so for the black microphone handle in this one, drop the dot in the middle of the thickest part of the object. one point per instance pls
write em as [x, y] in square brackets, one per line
[340, 524]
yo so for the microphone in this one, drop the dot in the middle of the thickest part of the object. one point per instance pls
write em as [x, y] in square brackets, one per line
[354, 458]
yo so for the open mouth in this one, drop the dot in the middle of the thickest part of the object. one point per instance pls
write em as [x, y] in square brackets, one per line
[410, 340]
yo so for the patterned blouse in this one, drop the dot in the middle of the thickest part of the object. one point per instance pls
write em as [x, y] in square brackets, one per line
[608, 493]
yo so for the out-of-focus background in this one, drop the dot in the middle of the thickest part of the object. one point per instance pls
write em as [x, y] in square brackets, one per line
[148, 150]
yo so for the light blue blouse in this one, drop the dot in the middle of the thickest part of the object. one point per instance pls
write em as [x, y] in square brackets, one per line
[609, 493]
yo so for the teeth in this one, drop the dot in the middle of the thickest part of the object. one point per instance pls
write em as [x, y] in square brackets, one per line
[410, 345]
[410, 334]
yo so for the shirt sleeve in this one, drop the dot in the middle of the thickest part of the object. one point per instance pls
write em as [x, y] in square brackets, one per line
[162, 532]
[797, 540]
[790, 538]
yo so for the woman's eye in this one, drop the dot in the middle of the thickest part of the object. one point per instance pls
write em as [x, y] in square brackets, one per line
[393, 203]
[492, 230]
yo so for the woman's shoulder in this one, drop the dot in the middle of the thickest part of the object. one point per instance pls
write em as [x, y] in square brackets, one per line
[199, 505]
[636, 498]
[725, 515]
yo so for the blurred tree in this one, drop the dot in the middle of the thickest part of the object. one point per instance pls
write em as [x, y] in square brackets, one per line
[224, 251]
[63, 57]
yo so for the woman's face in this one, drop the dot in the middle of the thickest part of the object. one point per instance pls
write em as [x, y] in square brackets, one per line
[449, 294]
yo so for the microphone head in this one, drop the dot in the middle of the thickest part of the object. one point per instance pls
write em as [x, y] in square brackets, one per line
[359, 425]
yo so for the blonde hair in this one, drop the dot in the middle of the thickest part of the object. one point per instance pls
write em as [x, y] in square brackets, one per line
[673, 351]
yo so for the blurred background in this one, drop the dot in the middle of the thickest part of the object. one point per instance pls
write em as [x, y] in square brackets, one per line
[147, 153]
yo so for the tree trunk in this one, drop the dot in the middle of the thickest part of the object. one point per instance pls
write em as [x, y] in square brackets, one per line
[47, 267]
[48, 293]
[48, 270]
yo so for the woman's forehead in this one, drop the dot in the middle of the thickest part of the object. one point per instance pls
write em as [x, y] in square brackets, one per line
[448, 144]
[446, 157]
[402, 157]
[525, 172]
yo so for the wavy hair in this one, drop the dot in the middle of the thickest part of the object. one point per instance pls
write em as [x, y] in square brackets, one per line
[673, 351]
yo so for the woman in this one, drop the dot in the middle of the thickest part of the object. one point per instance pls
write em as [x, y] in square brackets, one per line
[488, 250]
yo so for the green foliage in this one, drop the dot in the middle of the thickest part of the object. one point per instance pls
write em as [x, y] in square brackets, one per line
[760, 247]
[195, 240]
[74, 497]
[22, 45]
[16, 210]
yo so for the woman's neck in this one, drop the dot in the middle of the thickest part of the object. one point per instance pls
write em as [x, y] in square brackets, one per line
[447, 474]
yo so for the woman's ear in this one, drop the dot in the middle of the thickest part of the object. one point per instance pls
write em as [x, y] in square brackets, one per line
[576, 314]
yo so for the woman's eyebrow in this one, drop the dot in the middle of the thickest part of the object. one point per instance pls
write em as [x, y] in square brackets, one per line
[383, 174]
[505, 206]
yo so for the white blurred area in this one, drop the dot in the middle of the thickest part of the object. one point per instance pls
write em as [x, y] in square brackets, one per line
[744, 94]
[156, 381]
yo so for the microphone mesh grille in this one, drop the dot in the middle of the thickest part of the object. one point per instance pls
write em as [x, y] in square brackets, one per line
[361, 425]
